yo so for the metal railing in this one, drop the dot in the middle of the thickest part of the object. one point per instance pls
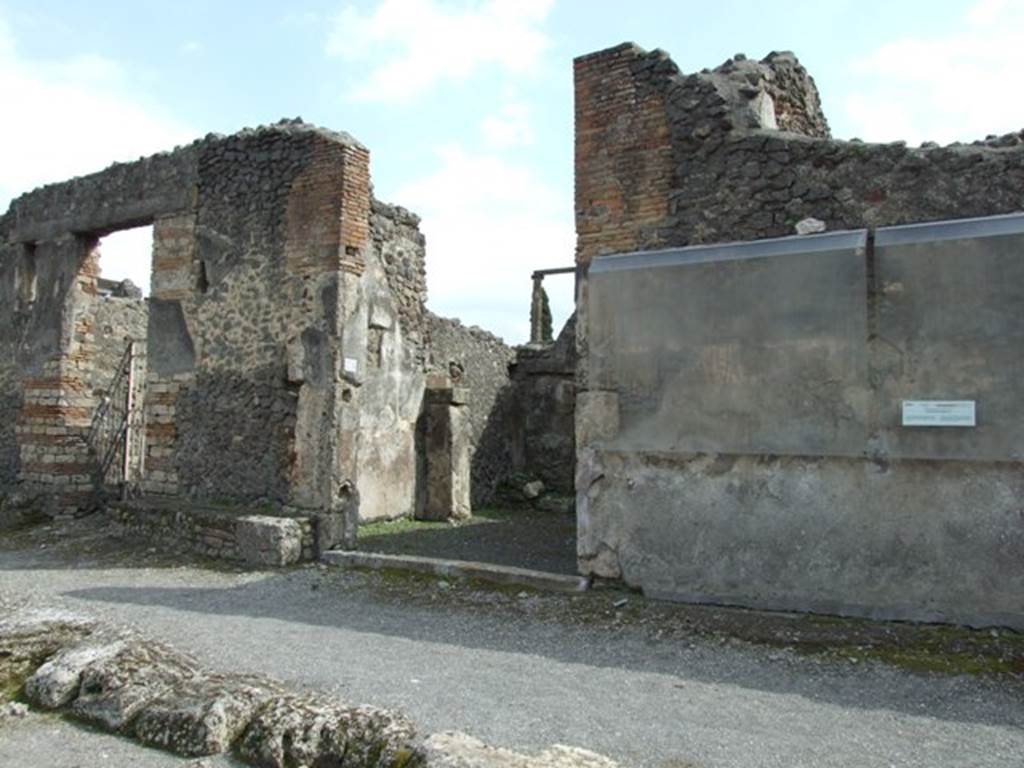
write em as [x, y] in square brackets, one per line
[115, 434]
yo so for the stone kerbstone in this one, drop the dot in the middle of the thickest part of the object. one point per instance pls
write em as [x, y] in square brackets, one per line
[457, 750]
[266, 540]
[57, 682]
[202, 716]
[114, 690]
[309, 731]
[28, 637]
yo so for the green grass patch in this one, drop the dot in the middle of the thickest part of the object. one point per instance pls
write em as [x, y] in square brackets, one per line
[409, 525]
[946, 663]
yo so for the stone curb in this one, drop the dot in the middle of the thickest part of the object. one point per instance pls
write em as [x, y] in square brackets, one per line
[456, 569]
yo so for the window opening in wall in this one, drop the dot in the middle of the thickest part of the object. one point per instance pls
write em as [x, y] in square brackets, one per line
[125, 261]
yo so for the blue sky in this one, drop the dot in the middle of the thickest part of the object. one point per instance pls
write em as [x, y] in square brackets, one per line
[466, 105]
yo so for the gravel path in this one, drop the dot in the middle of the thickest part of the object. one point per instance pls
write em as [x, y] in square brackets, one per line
[514, 669]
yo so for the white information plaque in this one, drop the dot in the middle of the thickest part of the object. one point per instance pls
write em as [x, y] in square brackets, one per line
[351, 365]
[938, 413]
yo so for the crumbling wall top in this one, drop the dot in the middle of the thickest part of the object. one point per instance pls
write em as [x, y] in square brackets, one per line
[133, 193]
[743, 151]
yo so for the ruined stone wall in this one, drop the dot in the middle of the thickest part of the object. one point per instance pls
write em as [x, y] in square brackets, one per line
[17, 299]
[479, 362]
[541, 423]
[207, 532]
[772, 470]
[742, 152]
[259, 248]
[51, 344]
[400, 249]
[289, 347]
[118, 320]
[239, 305]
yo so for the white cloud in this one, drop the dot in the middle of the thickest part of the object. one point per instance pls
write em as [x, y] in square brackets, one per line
[128, 254]
[72, 116]
[510, 128]
[950, 88]
[422, 42]
[489, 224]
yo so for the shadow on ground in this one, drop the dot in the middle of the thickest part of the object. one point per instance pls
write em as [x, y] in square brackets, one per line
[588, 630]
[524, 537]
[820, 658]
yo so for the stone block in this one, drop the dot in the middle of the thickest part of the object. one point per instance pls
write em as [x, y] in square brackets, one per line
[29, 637]
[57, 682]
[305, 730]
[202, 716]
[264, 540]
[115, 689]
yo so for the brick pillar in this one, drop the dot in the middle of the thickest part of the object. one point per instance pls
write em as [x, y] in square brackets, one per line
[174, 279]
[624, 166]
[58, 405]
[328, 219]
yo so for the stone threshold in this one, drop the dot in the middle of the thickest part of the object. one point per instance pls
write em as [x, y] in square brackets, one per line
[459, 569]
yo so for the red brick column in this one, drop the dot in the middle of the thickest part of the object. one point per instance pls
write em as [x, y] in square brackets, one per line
[623, 155]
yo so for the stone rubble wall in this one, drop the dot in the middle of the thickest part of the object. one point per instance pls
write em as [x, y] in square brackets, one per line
[400, 249]
[742, 152]
[542, 421]
[251, 291]
[209, 532]
[118, 321]
[122, 196]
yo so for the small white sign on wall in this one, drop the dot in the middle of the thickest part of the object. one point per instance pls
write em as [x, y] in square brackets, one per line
[938, 413]
[351, 365]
